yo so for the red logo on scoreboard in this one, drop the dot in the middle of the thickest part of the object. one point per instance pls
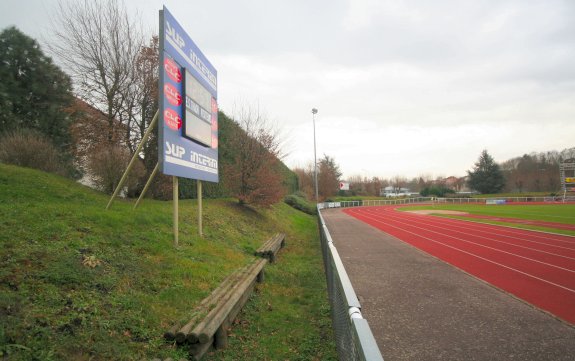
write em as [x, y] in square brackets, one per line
[172, 119]
[172, 95]
[173, 70]
[214, 117]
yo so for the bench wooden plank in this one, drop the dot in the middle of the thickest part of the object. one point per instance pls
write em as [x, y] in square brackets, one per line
[214, 320]
[271, 247]
[212, 317]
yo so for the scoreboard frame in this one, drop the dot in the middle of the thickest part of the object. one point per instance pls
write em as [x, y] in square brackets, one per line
[187, 131]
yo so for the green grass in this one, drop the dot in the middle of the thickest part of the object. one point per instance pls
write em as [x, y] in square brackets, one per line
[512, 195]
[301, 204]
[54, 306]
[559, 213]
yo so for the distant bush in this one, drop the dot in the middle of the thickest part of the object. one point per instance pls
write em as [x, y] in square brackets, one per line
[162, 187]
[300, 194]
[300, 203]
[346, 199]
[457, 195]
[438, 191]
[31, 149]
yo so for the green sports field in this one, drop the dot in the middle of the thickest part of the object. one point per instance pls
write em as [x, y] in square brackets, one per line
[559, 218]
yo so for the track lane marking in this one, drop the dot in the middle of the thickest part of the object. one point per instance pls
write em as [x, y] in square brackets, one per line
[484, 246]
[504, 231]
[483, 258]
[438, 225]
[517, 231]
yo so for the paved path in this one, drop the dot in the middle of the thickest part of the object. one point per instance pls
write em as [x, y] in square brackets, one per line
[420, 308]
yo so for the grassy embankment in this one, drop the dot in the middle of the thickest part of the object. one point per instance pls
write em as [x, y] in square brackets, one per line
[558, 213]
[78, 282]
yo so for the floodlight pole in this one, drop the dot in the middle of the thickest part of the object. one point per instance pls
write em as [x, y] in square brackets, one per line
[314, 112]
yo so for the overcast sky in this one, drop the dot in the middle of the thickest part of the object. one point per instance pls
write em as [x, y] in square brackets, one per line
[402, 87]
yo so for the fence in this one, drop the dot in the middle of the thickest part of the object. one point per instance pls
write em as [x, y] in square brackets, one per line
[375, 202]
[436, 200]
[505, 200]
[354, 339]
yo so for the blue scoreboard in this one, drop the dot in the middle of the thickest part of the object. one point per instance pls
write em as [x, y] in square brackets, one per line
[188, 115]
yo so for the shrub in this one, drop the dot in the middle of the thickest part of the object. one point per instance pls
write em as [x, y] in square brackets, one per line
[162, 187]
[439, 191]
[359, 200]
[300, 194]
[107, 166]
[29, 148]
[301, 204]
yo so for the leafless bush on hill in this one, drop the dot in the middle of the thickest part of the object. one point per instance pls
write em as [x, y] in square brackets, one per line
[305, 180]
[254, 175]
[107, 165]
[31, 149]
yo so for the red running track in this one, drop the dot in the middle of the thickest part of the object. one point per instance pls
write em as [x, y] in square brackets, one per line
[534, 266]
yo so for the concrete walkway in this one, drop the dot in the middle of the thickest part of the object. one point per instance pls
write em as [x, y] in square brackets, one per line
[421, 308]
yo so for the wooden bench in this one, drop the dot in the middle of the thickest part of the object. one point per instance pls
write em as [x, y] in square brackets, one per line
[212, 317]
[271, 247]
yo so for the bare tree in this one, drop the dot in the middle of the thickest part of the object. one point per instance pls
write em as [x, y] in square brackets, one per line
[568, 153]
[374, 186]
[99, 45]
[398, 182]
[356, 184]
[328, 177]
[141, 94]
[254, 175]
[535, 172]
[141, 103]
[364, 186]
[305, 180]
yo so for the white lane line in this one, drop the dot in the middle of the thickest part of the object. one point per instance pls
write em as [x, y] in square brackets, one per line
[437, 224]
[482, 258]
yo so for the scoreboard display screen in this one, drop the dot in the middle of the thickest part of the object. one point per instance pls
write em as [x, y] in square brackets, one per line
[198, 116]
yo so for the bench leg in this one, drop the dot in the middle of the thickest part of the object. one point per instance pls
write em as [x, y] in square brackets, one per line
[198, 350]
[221, 337]
[261, 276]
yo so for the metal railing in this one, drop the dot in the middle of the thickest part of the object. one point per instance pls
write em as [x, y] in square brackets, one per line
[354, 340]
[437, 200]
[375, 202]
[506, 200]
